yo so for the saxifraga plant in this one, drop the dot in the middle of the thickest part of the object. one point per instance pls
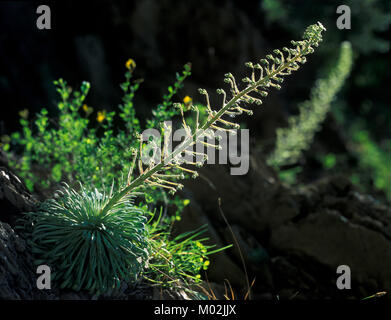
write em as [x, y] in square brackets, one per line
[105, 240]
[297, 137]
[89, 250]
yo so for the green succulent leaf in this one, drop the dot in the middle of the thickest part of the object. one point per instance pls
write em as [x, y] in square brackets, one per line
[87, 248]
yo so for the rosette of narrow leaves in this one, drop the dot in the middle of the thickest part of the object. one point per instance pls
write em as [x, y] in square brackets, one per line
[86, 247]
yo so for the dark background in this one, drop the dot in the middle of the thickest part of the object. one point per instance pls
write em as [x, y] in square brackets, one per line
[92, 40]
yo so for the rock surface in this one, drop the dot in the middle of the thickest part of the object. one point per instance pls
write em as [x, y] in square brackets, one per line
[14, 197]
[17, 279]
[17, 274]
[291, 240]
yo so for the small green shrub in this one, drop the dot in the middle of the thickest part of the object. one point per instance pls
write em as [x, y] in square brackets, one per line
[178, 259]
[72, 150]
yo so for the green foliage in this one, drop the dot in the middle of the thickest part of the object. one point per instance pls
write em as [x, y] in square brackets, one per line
[329, 161]
[179, 259]
[371, 171]
[55, 149]
[90, 249]
[374, 161]
[297, 137]
[373, 154]
[191, 118]
[289, 176]
[164, 111]
[72, 150]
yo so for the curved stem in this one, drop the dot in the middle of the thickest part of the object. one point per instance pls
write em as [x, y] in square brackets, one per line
[193, 138]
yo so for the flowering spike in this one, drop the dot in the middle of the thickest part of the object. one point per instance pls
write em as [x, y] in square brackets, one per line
[275, 67]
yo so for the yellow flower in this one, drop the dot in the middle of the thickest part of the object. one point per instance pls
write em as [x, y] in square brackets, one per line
[101, 116]
[88, 110]
[130, 64]
[24, 113]
[187, 100]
